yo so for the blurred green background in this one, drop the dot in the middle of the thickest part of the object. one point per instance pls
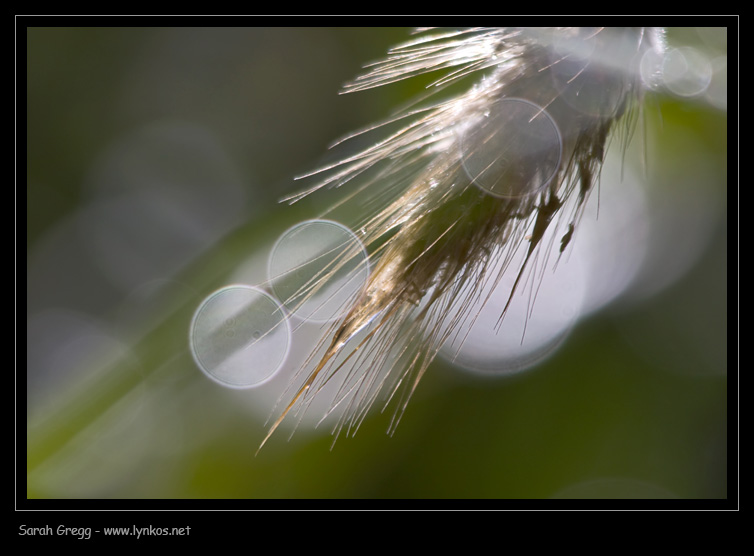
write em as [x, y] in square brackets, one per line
[155, 160]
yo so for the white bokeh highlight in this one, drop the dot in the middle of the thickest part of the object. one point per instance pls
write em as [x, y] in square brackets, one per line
[317, 269]
[240, 336]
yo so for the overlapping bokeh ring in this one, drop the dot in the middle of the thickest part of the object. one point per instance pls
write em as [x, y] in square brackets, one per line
[240, 336]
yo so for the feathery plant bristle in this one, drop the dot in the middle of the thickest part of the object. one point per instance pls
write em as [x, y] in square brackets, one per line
[472, 175]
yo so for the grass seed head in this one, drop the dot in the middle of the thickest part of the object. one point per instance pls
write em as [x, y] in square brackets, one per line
[475, 173]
